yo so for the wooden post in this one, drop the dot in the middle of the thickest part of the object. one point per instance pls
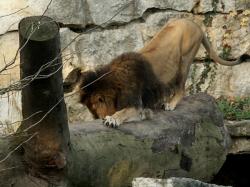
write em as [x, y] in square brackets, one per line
[42, 97]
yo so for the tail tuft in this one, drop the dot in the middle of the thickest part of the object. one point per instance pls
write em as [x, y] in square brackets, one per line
[245, 58]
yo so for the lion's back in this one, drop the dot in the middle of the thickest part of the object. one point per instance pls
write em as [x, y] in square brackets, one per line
[134, 76]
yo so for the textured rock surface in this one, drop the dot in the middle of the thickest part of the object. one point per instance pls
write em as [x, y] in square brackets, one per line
[171, 182]
[188, 142]
[240, 132]
[96, 12]
[129, 31]
[223, 81]
[239, 129]
[67, 12]
[240, 146]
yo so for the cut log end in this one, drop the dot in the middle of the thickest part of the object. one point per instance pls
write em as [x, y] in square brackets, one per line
[38, 28]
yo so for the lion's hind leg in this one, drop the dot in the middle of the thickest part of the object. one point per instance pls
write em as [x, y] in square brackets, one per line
[127, 115]
[179, 87]
[171, 104]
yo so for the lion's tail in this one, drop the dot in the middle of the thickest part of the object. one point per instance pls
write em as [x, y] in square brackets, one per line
[216, 58]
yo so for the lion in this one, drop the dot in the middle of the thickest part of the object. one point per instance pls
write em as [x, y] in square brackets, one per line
[135, 84]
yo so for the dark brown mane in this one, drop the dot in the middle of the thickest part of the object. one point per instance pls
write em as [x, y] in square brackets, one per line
[132, 79]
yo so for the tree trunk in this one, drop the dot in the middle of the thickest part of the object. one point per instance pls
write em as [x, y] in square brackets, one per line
[42, 98]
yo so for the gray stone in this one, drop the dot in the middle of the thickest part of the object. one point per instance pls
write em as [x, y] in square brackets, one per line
[87, 12]
[233, 31]
[238, 128]
[10, 103]
[240, 145]
[10, 112]
[222, 6]
[225, 6]
[99, 48]
[203, 6]
[222, 81]
[190, 141]
[170, 182]
[67, 12]
[239, 131]
[101, 11]
[8, 50]
[242, 4]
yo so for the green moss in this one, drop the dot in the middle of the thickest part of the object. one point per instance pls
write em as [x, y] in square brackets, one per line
[226, 51]
[214, 5]
[209, 68]
[204, 74]
[193, 73]
[213, 68]
[238, 109]
[208, 19]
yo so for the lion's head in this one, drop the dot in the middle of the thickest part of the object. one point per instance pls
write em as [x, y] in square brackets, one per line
[96, 92]
[101, 103]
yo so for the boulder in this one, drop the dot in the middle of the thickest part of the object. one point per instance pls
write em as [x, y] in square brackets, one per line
[238, 128]
[170, 182]
[188, 142]
[240, 132]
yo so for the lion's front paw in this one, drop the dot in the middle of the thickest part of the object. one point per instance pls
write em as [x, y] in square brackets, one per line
[110, 121]
[168, 107]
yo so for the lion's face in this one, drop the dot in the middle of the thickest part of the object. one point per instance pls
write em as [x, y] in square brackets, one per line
[98, 96]
[100, 104]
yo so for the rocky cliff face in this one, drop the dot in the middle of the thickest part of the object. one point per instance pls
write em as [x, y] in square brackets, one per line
[100, 37]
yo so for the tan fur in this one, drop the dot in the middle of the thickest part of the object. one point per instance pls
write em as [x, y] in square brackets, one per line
[166, 60]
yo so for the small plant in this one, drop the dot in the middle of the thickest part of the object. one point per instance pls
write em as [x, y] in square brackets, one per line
[226, 51]
[208, 19]
[212, 75]
[214, 5]
[204, 74]
[237, 109]
[193, 73]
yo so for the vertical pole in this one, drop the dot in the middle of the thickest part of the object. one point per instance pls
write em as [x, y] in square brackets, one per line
[42, 96]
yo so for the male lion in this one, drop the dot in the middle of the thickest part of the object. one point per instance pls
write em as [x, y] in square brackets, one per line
[133, 83]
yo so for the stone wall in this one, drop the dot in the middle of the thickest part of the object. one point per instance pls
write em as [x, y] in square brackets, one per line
[100, 38]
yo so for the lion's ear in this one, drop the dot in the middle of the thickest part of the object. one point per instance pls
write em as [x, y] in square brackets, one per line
[72, 80]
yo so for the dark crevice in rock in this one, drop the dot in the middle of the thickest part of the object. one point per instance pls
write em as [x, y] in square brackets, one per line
[185, 162]
[91, 27]
[78, 28]
[155, 10]
[235, 171]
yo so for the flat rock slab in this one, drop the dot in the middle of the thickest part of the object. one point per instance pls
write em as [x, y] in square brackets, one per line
[190, 141]
[238, 128]
[240, 132]
[171, 182]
